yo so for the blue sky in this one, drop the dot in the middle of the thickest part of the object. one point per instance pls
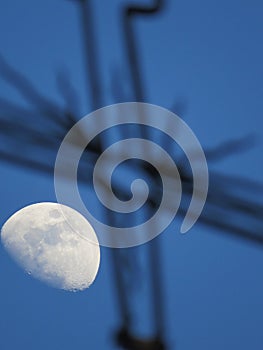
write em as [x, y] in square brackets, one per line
[207, 54]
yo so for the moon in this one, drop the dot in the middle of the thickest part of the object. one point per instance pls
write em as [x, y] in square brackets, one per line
[58, 247]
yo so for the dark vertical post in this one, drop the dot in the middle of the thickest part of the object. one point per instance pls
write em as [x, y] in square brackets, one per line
[91, 53]
[136, 78]
[93, 80]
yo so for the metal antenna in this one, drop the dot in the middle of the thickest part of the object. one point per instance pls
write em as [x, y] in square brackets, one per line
[130, 42]
[17, 132]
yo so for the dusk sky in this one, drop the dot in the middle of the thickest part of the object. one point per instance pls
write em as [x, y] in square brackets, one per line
[203, 58]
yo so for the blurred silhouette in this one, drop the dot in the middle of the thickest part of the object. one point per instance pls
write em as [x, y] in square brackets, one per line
[127, 341]
[232, 205]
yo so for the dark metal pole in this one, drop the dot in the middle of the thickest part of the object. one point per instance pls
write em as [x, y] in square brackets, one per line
[93, 79]
[91, 53]
[130, 43]
[130, 13]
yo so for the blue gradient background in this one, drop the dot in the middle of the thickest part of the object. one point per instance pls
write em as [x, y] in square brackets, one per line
[207, 53]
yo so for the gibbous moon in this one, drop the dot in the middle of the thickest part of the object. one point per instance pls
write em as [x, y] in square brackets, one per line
[58, 247]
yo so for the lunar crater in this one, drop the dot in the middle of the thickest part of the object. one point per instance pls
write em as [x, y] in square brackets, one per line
[60, 249]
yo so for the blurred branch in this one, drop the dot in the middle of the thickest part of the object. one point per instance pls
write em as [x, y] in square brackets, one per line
[230, 147]
[28, 90]
[21, 135]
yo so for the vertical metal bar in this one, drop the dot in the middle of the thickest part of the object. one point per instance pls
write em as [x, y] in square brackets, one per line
[93, 80]
[130, 13]
[120, 287]
[96, 102]
[91, 53]
[136, 77]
